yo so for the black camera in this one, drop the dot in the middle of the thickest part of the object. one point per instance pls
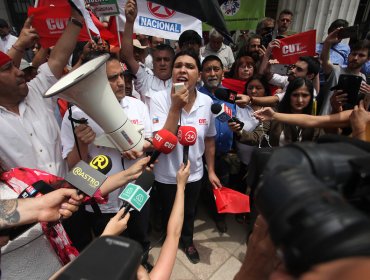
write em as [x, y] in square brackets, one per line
[315, 198]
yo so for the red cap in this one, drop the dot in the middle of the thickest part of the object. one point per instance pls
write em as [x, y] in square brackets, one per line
[187, 135]
[164, 141]
[4, 58]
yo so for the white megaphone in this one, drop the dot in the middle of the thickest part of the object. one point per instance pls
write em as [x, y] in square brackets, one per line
[89, 89]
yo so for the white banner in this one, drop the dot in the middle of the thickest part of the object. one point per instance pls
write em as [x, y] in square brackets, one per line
[156, 20]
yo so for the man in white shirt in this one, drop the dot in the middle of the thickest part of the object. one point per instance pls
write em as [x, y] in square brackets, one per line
[216, 46]
[30, 136]
[138, 115]
[146, 84]
[6, 39]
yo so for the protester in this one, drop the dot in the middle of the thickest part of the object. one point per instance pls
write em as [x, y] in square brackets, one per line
[153, 43]
[27, 118]
[283, 24]
[146, 84]
[7, 40]
[216, 47]
[138, 114]
[185, 106]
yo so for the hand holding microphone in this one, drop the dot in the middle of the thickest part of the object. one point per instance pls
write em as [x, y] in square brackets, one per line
[187, 136]
[224, 114]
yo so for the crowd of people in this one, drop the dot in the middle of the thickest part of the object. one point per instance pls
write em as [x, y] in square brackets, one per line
[40, 141]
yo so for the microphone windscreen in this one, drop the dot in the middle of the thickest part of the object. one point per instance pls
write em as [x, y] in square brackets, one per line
[145, 180]
[187, 135]
[101, 163]
[216, 108]
[164, 141]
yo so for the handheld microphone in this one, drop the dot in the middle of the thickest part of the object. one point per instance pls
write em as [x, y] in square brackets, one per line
[136, 195]
[164, 142]
[224, 114]
[187, 136]
[89, 178]
[37, 189]
[227, 95]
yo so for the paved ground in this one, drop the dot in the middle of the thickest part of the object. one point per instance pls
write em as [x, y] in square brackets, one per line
[220, 254]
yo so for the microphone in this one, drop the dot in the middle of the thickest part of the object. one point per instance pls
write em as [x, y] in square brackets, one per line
[88, 178]
[164, 142]
[227, 95]
[37, 189]
[187, 136]
[137, 194]
[224, 114]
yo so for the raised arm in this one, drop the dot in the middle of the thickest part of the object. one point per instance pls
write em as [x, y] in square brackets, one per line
[163, 268]
[326, 121]
[127, 50]
[64, 47]
[332, 38]
[264, 68]
[27, 38]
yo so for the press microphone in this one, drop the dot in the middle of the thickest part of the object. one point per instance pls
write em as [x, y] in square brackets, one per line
[187, 136]
[227, 95]
[135, 195]
[88, 178]
[224, 114]
[164, 142]
[37, 189]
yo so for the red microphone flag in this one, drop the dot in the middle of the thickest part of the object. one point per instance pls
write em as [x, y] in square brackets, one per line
[164, 141]
[230, 201]
[187, 135]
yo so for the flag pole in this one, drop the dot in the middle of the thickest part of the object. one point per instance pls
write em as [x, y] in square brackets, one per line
[36, 3]
[118, 33]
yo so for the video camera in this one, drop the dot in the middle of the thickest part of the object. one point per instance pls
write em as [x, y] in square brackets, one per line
[315, 198]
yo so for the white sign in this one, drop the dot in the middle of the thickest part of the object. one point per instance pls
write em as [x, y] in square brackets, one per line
[156, 20]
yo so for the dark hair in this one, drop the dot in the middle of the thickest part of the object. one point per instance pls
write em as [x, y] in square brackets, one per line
[286, 12]
[262, 80]
[313, 64]
[3, 23]
[211, 58]
[361, 45]
[189, 36]
[164, 47]
[285, 106]
[337, 23]
[190, 53]
[234, 68]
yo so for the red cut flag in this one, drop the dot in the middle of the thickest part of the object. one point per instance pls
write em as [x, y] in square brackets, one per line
[230, 201]
[112, 27]
[292, 47]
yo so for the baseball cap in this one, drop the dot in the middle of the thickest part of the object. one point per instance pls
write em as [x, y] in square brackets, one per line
[4, 58]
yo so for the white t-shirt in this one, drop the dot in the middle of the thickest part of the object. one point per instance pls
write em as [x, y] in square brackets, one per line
[148, 85]
[225, 53]
[32, 138]
[7, 42]
[137, 113]
[200, 117]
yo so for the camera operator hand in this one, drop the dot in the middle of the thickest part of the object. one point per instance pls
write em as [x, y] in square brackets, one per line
[117, 224]
[359, 119]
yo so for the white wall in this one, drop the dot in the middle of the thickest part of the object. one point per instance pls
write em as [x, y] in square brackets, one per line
[319, 14]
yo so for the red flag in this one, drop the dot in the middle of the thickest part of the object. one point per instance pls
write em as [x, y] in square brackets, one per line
[50, 22]
[112, 27]
[104, 32]
[230, 201]
[234, 84]
[292, 47]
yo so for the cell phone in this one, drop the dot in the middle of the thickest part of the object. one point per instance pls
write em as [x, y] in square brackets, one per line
[348, 32]
[350, 84]
[281, 69]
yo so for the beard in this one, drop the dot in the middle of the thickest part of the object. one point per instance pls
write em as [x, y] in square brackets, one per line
[212, 83]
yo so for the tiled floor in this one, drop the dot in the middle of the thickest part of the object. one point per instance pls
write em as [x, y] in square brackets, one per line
[220, 254]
